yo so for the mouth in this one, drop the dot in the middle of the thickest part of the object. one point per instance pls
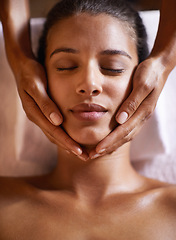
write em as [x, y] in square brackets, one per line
[88, 112]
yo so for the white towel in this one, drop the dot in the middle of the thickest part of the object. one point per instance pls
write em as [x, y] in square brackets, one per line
[154, 149]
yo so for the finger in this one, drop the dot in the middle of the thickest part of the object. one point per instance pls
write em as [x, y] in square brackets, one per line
[126, 132]
[50, 110]
[56, 133]
[131, 104]
[84, 156]
[38, 92]
[93, 154]
[122, 134]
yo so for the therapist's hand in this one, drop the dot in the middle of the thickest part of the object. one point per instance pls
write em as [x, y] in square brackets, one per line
[148, 82]
[39, 108]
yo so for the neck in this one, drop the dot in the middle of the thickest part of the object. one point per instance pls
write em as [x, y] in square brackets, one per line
[98, 178]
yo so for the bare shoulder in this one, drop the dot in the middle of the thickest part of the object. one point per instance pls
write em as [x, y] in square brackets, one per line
[14, 189]
[16, 196]
[19, 202]
[166, 190]
[169, 196]
[11, 183]
[165, 196]
[167, 207]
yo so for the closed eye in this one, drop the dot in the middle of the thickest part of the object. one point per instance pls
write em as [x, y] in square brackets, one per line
[113, 70]
[66, 69]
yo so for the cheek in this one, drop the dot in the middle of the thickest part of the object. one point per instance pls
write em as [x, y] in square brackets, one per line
[119, 91]
[58, 91]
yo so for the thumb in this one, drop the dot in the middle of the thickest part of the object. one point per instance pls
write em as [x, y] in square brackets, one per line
[130, 105]
[49, 109]
[45, 104]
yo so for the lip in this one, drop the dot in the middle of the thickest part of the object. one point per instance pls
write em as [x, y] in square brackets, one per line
[88, 107]
[88, 112]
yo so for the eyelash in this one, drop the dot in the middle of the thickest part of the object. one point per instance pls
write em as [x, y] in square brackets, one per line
[113, 70]
[66, 69]
[106, 69]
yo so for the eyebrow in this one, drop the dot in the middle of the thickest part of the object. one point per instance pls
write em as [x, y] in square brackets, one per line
[65, 50]
[105, 52]
[115, 52]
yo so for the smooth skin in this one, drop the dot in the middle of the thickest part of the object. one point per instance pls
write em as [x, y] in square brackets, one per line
[149, 77]
[104, 198]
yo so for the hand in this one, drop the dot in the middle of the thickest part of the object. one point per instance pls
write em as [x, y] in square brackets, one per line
[32, 88]
[148, 82]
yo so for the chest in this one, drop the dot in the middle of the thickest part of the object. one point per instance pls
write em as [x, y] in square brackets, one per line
[67, 222]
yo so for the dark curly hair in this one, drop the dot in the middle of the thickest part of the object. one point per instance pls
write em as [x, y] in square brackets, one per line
[119, 9]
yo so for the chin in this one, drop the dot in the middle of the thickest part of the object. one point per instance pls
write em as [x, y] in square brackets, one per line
[88, 137]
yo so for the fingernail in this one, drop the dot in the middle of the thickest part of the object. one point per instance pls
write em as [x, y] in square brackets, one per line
[55, 118]
[77, 152]
[101, 151]
[122, 117]
[74, 152]
[68, 152]
[95, 156]
[83, 159]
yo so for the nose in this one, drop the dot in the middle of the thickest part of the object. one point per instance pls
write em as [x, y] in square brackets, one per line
[90, 83]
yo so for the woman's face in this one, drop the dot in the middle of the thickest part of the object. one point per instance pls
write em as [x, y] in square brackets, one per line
[90, 61]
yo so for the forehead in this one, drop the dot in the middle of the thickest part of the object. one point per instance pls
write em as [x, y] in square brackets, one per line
[91, 32]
